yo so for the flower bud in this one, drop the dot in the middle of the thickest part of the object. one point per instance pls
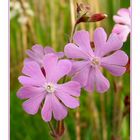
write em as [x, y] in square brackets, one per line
[97, 17]
[93, 18]
[83, 18]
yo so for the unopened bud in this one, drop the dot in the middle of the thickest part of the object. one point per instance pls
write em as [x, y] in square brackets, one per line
[93, 18]
[97, 17]
[84, 18]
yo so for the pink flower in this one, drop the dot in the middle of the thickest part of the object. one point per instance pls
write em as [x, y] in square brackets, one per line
[87, 71]
[123, 23]
[38, 52]
[44, 92]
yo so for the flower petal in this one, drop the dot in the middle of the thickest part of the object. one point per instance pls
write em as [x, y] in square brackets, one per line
[100, 38]
[72, 88]
[27, 81]
[28, 92]
[82, 76]
[114, 43]
[68, 100]
[38, 49]
[56, 69]
[60, 54]
[26, 60]
[82, 39]
[121, 20]
[118, 58]
[91, 81]
[103, 47]
[46, 111]
[63, 67]
[32, 69]
[32, 105]
[48, 50]
[114, 69]
[59, 110]
[102, 84]
[49, 63]
[115, 62]
[31, 54]
[123, 12]
[122, 31]
[73, 51]
[36, 53]
[77, 66]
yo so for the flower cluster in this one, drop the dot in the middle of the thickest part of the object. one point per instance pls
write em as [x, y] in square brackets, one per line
[38, 53]
[123, 23]
[87, 71]
[41, 88]
[85, 64]
[85, 14]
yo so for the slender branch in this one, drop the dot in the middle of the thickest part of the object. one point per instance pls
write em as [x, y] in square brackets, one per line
[73, 31]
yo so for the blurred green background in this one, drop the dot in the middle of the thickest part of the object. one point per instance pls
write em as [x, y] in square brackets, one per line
[48, 22]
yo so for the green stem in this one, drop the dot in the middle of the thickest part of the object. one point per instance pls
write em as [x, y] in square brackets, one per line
[56, 137]
[52, 128]
[60, 128]
[73, 31]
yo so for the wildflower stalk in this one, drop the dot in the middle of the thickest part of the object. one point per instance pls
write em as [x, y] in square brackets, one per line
[53, 132]
[73, 23]
[60, 130]
[95, 116]
[78, 124]
[117, 114]
[52, 128]
[60, 124]
[103, 117]
[73, 31]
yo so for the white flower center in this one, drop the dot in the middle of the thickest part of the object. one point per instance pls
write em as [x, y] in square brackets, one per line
[49, 87]
[95, 61]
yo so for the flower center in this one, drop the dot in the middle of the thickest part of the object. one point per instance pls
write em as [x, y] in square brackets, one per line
[95, 61]
[49, 87]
